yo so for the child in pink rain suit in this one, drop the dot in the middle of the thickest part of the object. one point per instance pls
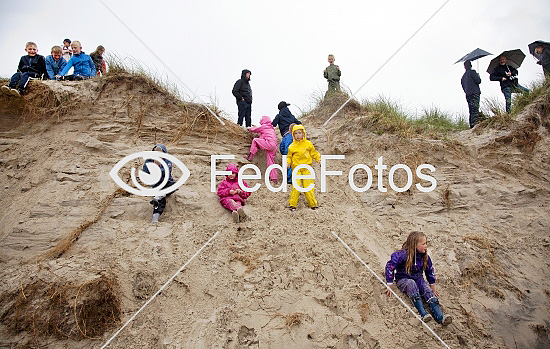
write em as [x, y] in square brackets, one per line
[231, 195]
[266, 141]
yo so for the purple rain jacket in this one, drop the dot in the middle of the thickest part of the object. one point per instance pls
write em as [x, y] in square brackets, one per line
[396, 265]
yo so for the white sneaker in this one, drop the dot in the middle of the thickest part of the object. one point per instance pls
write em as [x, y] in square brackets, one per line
[427, 318]
[235, 215]
[15, 92]
[447, 319]
[6, 90]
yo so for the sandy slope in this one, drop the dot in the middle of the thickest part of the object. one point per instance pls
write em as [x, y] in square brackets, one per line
[279, 279]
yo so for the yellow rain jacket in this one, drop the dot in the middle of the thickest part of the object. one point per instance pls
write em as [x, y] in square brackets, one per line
[301, 152]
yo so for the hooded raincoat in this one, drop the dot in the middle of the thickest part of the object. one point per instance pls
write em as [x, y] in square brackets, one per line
[230, 201]
[266, 141]
[302, 152]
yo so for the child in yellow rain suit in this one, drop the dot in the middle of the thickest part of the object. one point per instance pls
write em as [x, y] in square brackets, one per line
[301, 152]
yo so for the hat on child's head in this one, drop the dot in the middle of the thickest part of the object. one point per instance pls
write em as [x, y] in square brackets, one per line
[282, 105]
[67, 40]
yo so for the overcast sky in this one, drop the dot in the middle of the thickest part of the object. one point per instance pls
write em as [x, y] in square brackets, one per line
[285, 44]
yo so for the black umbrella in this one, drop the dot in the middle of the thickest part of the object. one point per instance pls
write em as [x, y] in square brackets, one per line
[534, 45]
[514, 59]
[472, 56]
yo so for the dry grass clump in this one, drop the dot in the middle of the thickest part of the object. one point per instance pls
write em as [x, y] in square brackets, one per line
[62, 309]
[295, 319]
[69, 239]
[525, 132]
[129, 68]
[38, 101]
[251, 262]
[485, 271]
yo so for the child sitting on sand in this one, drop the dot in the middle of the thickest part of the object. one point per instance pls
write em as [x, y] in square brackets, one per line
[55, 62]
[84, 67]
[408, 265]
[30, 66]
[232, 197]
[302, 152]
[99, 62]
[266, 141]
[159, 202]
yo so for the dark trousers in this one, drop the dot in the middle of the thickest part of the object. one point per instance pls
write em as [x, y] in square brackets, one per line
[20, 80]
[507, 92]
[159, 206]
[245, 111]
[473, 107]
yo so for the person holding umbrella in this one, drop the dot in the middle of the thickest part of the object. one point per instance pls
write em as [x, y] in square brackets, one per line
[470, 84]
[541, 51]
[507, 75]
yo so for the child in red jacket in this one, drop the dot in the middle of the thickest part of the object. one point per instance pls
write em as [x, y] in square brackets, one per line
[232, 197]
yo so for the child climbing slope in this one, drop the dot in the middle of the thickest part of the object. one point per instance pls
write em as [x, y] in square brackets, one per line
[266, 141]
[407, 266]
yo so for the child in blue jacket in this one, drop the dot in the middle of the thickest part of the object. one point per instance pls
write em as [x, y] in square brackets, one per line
[55, 62]
[84, 67]
[407, 266]
[283, 148]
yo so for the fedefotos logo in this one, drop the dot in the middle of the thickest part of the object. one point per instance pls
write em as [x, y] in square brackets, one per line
[153, 177]
[380, 167]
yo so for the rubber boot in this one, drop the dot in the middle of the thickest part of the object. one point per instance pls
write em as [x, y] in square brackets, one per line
[155, 218]
[417, 301]
[437, 313]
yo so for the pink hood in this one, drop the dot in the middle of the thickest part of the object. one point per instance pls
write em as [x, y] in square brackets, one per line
[266, 130]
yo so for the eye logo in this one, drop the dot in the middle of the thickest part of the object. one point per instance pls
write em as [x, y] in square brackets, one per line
[154, 175]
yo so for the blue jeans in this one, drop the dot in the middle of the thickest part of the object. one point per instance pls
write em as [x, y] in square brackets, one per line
[20, 80]
[245, 110]
[507, 92]
[473, 107]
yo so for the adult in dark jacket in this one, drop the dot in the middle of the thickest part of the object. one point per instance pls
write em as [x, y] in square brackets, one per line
[543, 55]
[470, 84]
[284, 118]
[508, 78]
[243, 94]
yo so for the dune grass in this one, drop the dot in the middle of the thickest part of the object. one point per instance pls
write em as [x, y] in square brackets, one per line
[387, 115]
[537, 88]
[130, 66]
[493, 111]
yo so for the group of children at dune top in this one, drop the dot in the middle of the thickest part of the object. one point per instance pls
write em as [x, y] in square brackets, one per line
[56, 66]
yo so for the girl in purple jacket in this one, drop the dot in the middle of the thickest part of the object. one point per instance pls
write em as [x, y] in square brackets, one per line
[407, 266]
[232, 197]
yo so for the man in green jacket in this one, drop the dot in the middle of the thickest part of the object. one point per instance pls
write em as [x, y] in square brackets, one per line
[332, 74]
